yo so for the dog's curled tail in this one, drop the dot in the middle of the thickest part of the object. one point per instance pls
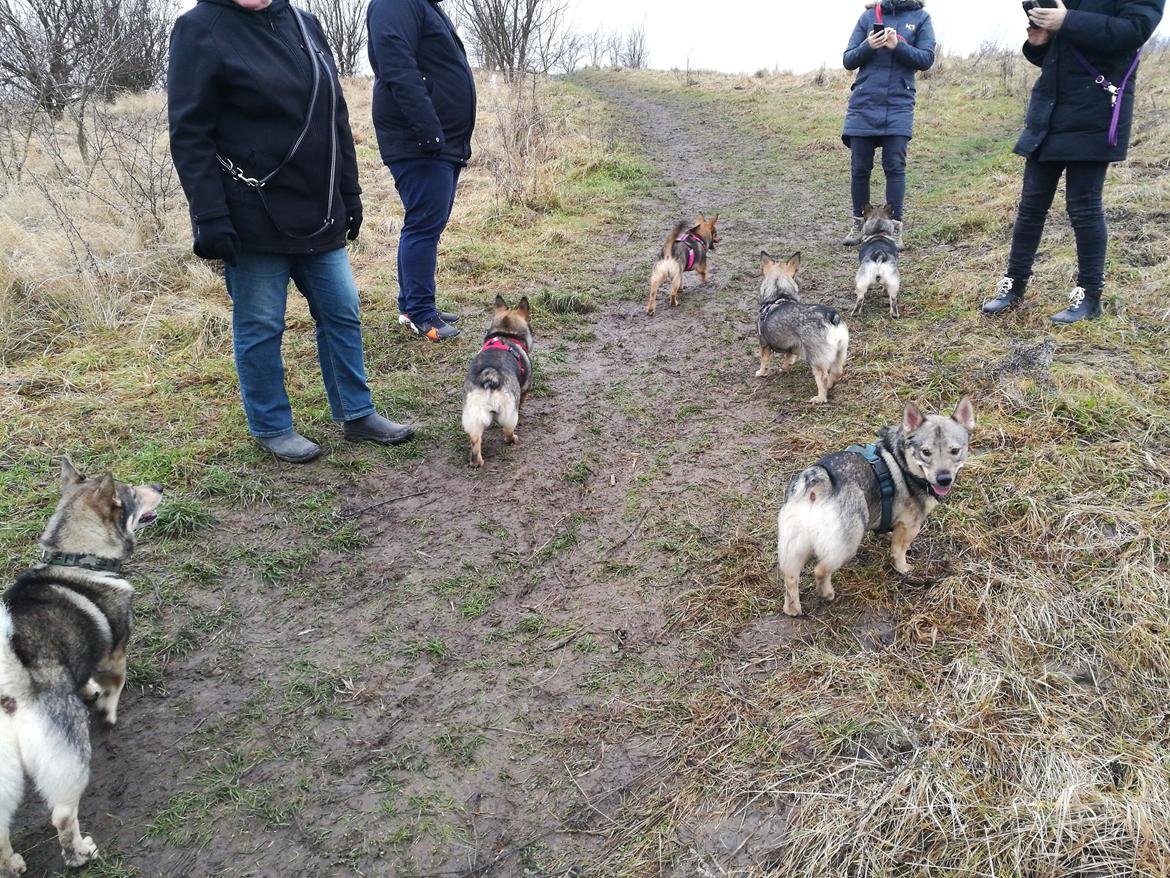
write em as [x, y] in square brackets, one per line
[672, 239]
[489, 379]
[810, 486]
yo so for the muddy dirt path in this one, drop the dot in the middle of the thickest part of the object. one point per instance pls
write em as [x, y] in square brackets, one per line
[435, 690]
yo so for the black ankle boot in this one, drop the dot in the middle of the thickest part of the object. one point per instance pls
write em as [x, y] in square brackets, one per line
[1082, 305]
[1009, 293]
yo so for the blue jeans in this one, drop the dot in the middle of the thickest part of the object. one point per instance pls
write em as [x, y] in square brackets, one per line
[1084, 182]
[427, 190]
[893, 164]
[258, 285]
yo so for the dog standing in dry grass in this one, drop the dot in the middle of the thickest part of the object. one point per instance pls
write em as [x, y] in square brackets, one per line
[890, 486]
[794, 330]
[64, 626]
[878, 255]
[500, 375]
[685, 250]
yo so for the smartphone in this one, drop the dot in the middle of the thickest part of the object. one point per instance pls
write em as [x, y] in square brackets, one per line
[1029, 5]
[879, 28]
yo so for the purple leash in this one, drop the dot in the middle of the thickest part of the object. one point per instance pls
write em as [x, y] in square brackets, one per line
[1116, 92]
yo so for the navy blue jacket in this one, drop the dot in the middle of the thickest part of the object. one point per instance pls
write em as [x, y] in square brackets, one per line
[238, 84]
[1069, 115]
[424, 93]
[882, 102]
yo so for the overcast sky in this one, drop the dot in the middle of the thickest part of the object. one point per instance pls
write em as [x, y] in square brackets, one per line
[742, 36]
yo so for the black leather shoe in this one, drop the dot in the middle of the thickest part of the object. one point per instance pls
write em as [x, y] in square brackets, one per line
[375, 428]
[291, 447]
[1082, 305]
[1009, 293]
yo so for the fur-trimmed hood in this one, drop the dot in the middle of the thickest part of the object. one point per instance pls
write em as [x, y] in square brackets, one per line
[896, 5]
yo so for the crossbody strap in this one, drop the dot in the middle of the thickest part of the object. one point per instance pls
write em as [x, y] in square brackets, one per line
[1116, 92]
[237, 173]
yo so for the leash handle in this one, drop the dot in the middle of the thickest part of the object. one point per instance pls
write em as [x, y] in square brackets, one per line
[1116, 92]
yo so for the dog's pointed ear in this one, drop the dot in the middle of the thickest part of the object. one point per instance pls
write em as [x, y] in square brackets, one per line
[523, 307]
[911, 418]
[766, 261]
[715, 219]
[702, 219]
[793, 265]
[501, 305]
[888, 210]
[867, 210]
[107, 491]
[965, 414]
[69, 474]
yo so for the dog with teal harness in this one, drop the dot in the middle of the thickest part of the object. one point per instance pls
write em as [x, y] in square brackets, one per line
[889, 486]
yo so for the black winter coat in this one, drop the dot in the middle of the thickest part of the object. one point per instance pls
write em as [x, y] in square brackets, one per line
[424, 93]
[1069, 115]
[239, 84]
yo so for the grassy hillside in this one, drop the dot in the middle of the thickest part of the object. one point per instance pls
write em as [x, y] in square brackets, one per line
[574, 661]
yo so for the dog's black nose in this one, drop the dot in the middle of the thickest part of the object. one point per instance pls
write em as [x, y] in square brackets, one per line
[944, 479]
[158, 488]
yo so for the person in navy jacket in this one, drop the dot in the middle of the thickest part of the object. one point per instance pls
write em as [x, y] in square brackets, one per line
[424, 115]
[881, 106]
[1075, 129]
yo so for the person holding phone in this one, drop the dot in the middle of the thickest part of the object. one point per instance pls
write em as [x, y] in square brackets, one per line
[1078, 122]
[893, 40]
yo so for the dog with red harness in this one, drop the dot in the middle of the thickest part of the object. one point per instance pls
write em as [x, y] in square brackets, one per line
[501, 374]
[685, 250]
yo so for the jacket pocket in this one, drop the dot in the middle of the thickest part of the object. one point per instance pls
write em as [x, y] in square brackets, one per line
[1039, 115]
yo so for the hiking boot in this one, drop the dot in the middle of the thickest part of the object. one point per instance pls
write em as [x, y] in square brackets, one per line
[445, 316]
[898, 226]
[854, 236]
[291, 447]
[1082, 305]
[375, 428]
[1009, 293]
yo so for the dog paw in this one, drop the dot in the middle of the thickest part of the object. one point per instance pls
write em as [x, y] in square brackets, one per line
[512, 439]
[903, 567]
[792, 609]
[90, 692]
[81, 854]
[760, 373]
[14, 866]
[819, 400]
[475, 462]
[829, 594]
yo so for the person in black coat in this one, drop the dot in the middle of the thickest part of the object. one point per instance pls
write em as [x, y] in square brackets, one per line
[261, 141]
[1078, 122]
[424, 115]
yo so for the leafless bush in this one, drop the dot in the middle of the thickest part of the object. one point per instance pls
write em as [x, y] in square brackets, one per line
[596, 47]
[17, 123]
[135, 167]
[634, 53]
[58, 53]
[504, 34]
[344, 24]
[520, 151]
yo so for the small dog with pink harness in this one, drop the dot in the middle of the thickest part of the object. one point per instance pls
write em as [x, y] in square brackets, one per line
[685, 250]
[501, 374]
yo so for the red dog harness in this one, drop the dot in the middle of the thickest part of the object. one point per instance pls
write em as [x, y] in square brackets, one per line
[696, 249]
[513, 346]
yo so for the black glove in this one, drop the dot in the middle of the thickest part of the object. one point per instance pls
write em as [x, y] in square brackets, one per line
[217, 239]
[431, 146]
[353, 216]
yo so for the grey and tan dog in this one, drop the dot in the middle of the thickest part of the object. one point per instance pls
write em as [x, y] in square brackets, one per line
[796, 331]
[878, 254]
[889, 486]
[64, 626]
[499, 378]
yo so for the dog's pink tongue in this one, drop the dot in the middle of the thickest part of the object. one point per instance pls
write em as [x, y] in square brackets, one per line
[940, 491]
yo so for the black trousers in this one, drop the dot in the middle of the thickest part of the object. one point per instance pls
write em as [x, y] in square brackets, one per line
[1084, 182]
[893, 150]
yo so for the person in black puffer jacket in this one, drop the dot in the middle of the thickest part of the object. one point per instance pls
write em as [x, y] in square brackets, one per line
[261, 141]
[424, 115]
[1075, 128]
